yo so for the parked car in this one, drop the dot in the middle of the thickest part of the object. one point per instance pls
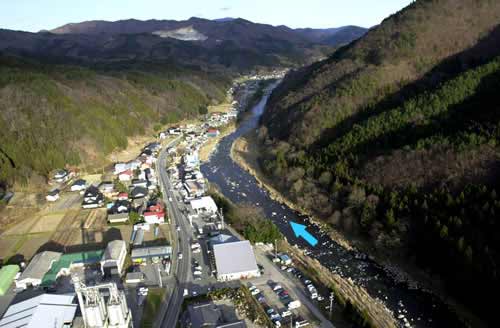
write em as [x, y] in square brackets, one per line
[294, 305]
[277, 286]
[260, 298]
[255, 291]
[197, 273]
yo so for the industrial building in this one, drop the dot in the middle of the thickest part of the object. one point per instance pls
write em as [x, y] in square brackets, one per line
[235, 261]
[103, 305]
[68, 262]
[154, 253]
[7, 275]
[114, 257]
[40, 264]
[45, 310]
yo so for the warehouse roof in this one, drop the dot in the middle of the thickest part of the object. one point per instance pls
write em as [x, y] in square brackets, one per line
[234, 257]
[114, 249]
[66, 260]
[39, 265]
[7, 275]
[46, 310]
[147, 252]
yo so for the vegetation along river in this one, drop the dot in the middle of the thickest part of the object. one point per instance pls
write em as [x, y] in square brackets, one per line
[421, 308]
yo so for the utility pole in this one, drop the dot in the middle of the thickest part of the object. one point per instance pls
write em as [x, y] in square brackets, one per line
[275, 248]
[222, 217]
[159, 276]
[331, 304]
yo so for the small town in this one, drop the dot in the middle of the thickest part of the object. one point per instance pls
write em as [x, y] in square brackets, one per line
[146, 237]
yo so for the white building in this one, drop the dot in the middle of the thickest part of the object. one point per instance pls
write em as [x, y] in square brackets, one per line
[235, 261]
[114, 257]
[33, 274]
[204, 205]
[98, 312]
[42, 311]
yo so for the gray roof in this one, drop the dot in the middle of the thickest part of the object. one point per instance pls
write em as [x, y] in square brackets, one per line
[146, 252]
[204, 315]
[39, 265]
[46, 310]
[222, 238]
[114, 249]
[234, 257]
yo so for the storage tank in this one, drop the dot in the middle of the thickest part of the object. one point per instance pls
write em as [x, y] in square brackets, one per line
[94, 316]
[116, 315]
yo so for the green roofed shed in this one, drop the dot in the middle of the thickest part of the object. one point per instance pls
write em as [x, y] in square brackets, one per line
[66, 261]
[7, 275]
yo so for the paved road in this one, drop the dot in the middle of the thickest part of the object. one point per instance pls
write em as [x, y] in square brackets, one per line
[171, 306]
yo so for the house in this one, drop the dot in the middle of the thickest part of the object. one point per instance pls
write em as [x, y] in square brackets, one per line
[126, 175]
[114, 257]
[123, 196]
[212, 133]
[118, 217]
[209, 315]
[39, 265]
[45, 310]
[92, 198]
[154, 214]
[61, 176]
[138, 193]
[139, 183]
[106, 187]
[121, 167]
[79, 185]
[52, 195]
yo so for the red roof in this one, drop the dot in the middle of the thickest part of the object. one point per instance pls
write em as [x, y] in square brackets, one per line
[128, 172]
[123, 195]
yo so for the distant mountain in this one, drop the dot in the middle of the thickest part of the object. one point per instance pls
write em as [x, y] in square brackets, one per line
[333, 36]
[236, 44]
[225, 19]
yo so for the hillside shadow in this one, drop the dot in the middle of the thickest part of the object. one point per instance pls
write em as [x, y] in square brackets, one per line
[485, 50]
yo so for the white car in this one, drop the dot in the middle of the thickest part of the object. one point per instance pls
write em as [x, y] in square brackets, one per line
[197, 273]
[186, 293]
[255, 291]
[277, 287]
[252, 287]
[196, 250]
[179, 256]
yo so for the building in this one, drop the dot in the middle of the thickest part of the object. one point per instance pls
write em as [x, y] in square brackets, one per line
[126, 175]
[92, 198]
[7, 275]
[118, 217]
[98, 311]
[79, 185]
[235, 260]
[114, 257]
[212, 133]
[42, 311]
[221, 239]
[194, 189]
[154, 214]
[67, 262]
[52, 195]
[209, 315]
[154, 253]
[40, 264]
[204, 205]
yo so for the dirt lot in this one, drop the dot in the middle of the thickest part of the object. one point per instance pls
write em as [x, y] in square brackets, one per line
[47, 223]
[8, 245]
[32, 244]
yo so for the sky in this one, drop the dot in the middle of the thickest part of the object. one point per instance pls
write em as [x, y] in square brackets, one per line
[36, 15]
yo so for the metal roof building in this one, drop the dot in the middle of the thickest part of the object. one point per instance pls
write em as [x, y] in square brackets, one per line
[235, 261]
[144, 253]
[7, 275]
[66, 261]
[35, 271]
[114, 256]
[46, 310]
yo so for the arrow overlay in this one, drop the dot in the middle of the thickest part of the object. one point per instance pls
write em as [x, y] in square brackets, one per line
[300, 231]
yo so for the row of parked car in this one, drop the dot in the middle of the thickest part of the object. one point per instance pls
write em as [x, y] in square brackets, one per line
[284, 316]
[313, 292]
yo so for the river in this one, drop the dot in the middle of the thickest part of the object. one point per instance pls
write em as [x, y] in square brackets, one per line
[421, 308]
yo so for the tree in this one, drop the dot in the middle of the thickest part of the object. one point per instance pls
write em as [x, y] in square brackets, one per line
[444, 232]
[390, 220]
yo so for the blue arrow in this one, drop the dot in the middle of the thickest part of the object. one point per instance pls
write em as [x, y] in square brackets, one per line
[300, 231]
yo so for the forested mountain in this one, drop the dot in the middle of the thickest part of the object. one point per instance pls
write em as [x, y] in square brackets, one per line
[394, 141]
[334, 36]
[54, 115]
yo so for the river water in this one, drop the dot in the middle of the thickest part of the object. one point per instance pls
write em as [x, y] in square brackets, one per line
[421, 308]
